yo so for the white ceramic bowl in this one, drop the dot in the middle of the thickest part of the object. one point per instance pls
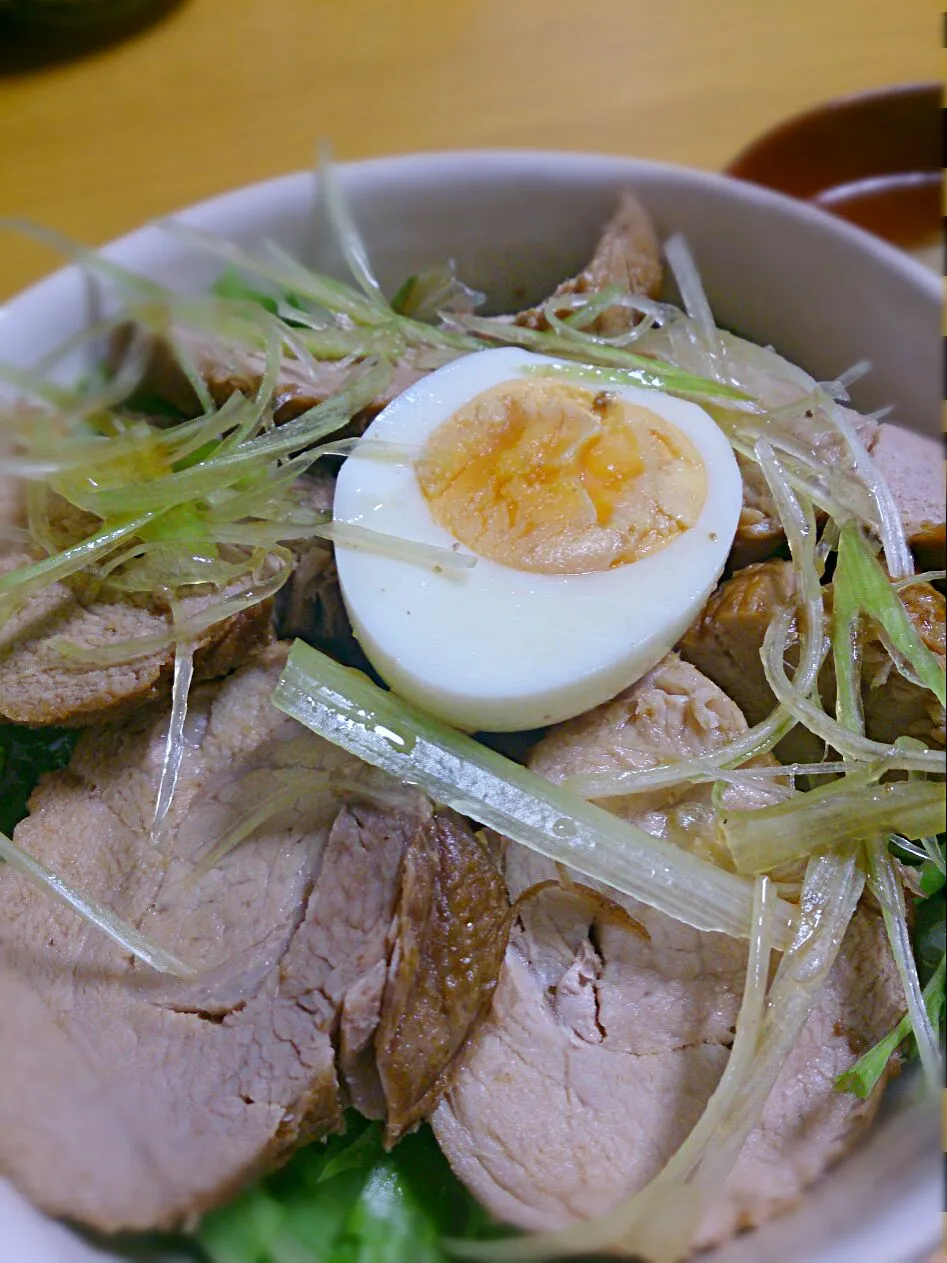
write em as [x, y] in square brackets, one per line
[825, 294]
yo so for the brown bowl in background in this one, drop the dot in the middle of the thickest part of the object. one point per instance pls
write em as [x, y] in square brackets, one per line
[873, 159]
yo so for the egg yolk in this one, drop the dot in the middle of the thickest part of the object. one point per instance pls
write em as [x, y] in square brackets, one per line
[547, 477]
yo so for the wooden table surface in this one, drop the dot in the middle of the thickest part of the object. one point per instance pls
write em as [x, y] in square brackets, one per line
[223, 92]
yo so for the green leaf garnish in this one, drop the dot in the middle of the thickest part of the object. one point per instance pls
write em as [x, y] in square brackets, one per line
[347, 1201]
[25, 755]
[863, 1077]
[232, 284]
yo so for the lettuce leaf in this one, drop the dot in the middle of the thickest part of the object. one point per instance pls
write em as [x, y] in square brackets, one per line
[233, 284]
[930, 950]
[25, 754]
[348, 1201]
[863, 1077]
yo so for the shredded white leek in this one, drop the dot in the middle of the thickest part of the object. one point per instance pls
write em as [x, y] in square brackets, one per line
[891, 529]
[830, 895]
[345, 231]
[174, 743]
[592, 786]
[841, 813]
[853, 483]
[629, 371]
[834, 493]
[682, 264]
[26, 580]
[371, 449]
[830, 767]
[798, 522]
[184, 486]
[816, 720]
[847, 645]
[256, 411]
[324, 291]
[585, 309]
[432, 556]
[926, 576]
[349, 314]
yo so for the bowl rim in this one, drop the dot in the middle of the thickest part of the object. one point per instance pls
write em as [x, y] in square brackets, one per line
[495, 163]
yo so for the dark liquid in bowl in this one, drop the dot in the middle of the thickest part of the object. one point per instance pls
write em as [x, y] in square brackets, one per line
[873, 159]
[904, 209]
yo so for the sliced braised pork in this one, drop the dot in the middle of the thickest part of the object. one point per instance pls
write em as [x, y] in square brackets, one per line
[627, 255]
[310, 606]
[328, 943]
[725, 645]
[606, 1039]
[913, 467]
[911, 464]
[40, 684]
[226, 369]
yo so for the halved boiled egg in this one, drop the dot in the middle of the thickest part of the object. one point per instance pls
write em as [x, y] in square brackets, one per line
[599, 520]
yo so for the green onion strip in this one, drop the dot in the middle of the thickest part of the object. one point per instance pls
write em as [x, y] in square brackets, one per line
[343, 706]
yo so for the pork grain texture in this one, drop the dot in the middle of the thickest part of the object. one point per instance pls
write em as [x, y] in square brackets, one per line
[725, 642]
[627, 255]
[39, 685]
[132, 1101]
[604, 1044]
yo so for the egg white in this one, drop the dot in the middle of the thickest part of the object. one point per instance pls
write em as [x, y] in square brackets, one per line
[501, 649]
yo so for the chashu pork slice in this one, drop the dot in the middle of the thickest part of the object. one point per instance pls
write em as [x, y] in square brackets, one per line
[913, 467]
[911, 464]
[309, 605]
[725, 642]
[344, 951]
[606, 1039]
[40, 684]
[628, 254]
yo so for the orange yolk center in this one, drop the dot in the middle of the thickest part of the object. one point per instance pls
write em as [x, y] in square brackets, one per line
[551, 478]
